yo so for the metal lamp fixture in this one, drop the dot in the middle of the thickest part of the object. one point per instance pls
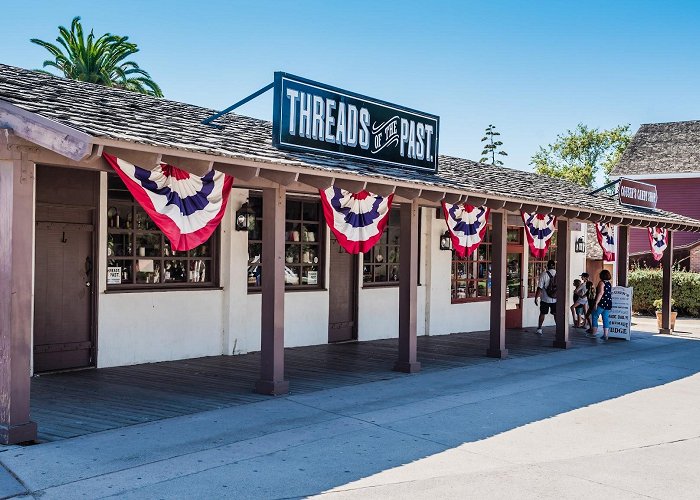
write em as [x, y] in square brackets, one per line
[580, 246]
[445, 241]
[245, 218]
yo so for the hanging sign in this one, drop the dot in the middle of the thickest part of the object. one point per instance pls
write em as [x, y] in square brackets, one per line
[467, 226]
[313, 117]
[621, 314]
[606, 239]
[658, 240]
[356, 219]
[637, 194]
[185, 207]
[539, 229]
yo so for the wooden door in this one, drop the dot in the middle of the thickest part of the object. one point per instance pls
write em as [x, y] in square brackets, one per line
[64, 270]
[342, 295]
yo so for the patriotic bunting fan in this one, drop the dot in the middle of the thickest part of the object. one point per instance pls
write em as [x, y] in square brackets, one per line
[539, 229]
[185, 207]
[606, 238]
[358, 219]
[658, 239]
[467, 226]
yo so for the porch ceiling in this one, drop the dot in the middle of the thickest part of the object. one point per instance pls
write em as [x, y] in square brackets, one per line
[159, 129]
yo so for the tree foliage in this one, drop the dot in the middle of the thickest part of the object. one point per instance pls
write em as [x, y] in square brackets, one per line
[580, 154]
[101, 60]
[491, 148]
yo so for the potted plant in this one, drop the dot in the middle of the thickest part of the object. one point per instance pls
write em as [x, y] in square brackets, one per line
[658, 304]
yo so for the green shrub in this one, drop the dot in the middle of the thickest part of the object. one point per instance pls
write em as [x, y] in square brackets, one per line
[647, 284]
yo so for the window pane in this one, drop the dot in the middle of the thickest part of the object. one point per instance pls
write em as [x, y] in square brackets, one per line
[309, 232]
[119, 272]
[200, 271]
[293, 210]
[292, 254]
[147, 271]
[119, 245]
[148, 245]
[175, 271]
[291, 275]
[311, 211]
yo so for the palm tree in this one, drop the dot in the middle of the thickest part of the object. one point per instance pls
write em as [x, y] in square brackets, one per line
[98, 60]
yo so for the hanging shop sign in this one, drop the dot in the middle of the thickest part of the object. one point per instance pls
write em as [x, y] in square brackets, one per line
[621, 314]
[185, 207]
[606, 239]
[314, 117]
[467, 226]
[637, 194]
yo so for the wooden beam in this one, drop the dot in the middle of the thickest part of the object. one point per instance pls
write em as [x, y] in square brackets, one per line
[237, 171]
[559, 212]
[495, 204]
[499, 246]
[200, 168]
[453, 198]
[531, 209]
[513, 206]
[148, 161]
[407, 193]
[561, 339]
[280, 177]
[434, 196]
[616, 221]
[623, 255]
[350, 185]
[317, 181]
[16, 283]
[475, 201]
[272, 324]
[49, 134]
[408, 290]
[666, 279]
[571, 214]
[380, 189]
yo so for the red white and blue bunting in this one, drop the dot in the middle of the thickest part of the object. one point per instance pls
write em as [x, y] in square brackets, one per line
[658, 239]
[606, 238]
[185, 207]
[539, 229]
[467, 226]
[356, 219]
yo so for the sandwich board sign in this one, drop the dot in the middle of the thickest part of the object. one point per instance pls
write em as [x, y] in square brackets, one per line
[621, 314]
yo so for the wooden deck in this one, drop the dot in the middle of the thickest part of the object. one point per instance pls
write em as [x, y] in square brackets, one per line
[70, 404]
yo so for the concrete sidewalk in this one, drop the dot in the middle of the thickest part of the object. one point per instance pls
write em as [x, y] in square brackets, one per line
[621, 419]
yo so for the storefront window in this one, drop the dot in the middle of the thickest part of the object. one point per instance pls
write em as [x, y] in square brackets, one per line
[303, 244]
[140, 256]
[535, 267]
[471, 276]
[381, 263]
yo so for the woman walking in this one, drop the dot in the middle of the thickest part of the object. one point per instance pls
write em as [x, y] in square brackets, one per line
[602, 305]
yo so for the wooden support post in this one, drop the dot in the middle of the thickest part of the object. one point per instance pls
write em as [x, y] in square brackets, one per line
[497, 339]
[16, 279]
[408, 289]
[561, 338]
[272, 324]
[667, 264]
[623, 255]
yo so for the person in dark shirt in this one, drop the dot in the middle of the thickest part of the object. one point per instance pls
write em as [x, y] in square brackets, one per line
[603, 305]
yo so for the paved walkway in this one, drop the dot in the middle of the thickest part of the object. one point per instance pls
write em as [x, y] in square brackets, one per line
[617, 420]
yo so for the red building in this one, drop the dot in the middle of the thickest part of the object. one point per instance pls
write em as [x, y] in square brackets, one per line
[668, 156]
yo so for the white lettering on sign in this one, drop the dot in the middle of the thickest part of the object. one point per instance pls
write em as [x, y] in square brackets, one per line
[325, 119]
[637, 193]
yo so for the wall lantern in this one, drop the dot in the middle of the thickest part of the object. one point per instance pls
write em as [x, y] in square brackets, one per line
[445, 241]
[245, 218]
[580, 246]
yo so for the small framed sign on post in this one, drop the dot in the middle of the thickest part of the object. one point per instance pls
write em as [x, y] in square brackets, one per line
[316, 118]
[621, 314]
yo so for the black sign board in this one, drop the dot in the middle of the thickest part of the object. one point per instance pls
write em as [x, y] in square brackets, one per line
[637, 194]
[313, 117]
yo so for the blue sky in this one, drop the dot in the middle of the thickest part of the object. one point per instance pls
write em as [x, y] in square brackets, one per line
[534, 69]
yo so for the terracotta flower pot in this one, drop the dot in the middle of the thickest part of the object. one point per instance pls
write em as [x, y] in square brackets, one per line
[674, 314]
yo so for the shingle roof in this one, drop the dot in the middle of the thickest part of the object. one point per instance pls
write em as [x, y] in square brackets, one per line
[662, 148]
[140, 119]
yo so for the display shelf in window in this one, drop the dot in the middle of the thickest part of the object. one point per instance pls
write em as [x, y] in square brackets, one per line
[139, 256]
[470, 278]
[380, 266]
